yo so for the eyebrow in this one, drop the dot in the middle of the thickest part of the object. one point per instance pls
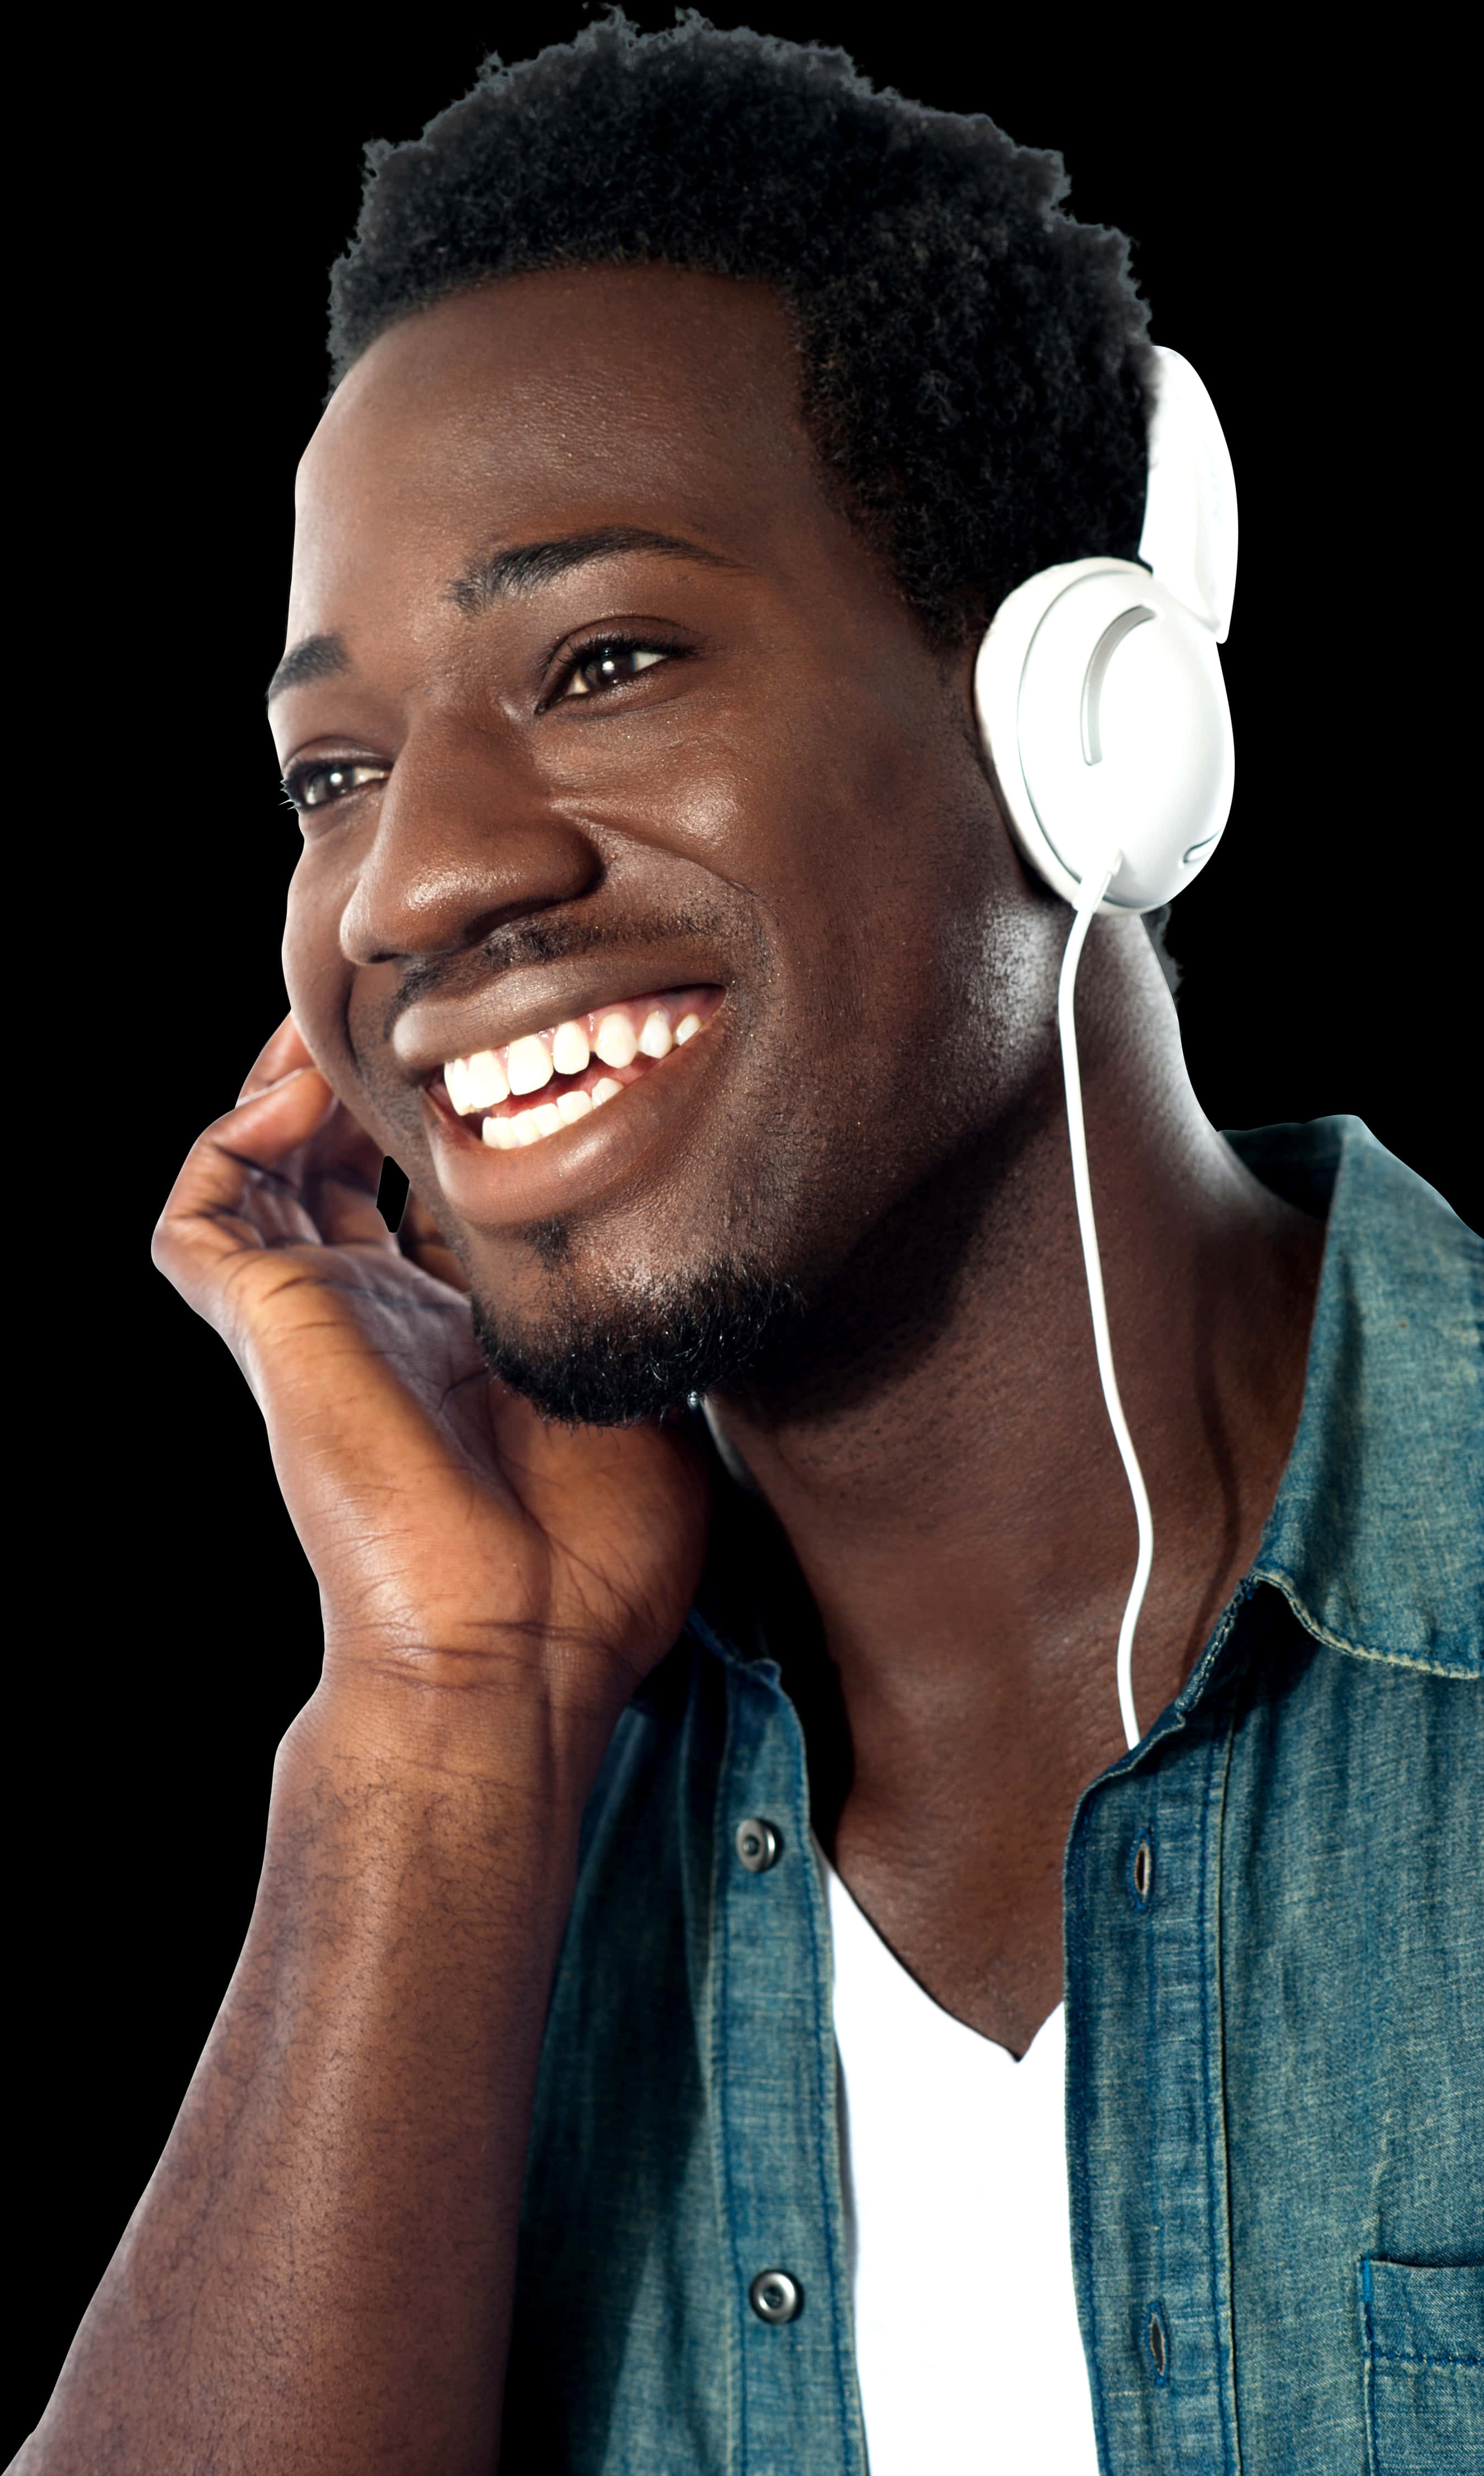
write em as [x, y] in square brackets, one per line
[532, 564]
[313, 657]
[523, 569]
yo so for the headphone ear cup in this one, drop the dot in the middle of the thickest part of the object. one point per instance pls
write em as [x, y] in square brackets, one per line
[1103, 713]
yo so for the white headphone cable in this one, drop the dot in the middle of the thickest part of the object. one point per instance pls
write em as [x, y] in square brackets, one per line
[1090, 893]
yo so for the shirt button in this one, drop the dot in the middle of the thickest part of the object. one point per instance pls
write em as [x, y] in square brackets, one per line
[775, 2296]
[759, 1846]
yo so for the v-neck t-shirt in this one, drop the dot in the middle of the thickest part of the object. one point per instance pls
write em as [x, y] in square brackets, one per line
[967, 2347]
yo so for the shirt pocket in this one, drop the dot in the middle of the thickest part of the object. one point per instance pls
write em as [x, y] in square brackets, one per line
[1423, 2332]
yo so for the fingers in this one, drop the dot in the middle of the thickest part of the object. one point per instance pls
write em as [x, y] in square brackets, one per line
[342, 1173]
[239, 1189]
[282, 1055]
[289, 1167]
[422, 1240]
[341, 1170]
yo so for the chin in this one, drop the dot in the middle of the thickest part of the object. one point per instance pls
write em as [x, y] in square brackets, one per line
[609, 1362]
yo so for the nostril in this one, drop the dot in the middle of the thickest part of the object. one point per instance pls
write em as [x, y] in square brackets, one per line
[435, 924]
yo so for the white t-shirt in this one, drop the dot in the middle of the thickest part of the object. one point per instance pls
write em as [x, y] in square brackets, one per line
[955, 2193]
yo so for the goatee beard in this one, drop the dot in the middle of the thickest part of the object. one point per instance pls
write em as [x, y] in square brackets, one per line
[632, 1358]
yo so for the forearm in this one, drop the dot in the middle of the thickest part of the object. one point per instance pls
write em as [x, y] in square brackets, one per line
[320, 2274]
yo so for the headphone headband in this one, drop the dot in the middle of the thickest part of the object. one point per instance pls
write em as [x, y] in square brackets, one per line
[1190, 512]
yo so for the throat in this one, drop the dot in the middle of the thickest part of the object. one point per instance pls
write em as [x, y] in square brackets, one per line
[975, 1915]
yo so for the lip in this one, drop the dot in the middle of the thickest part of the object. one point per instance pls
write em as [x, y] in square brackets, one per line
[490, 1189]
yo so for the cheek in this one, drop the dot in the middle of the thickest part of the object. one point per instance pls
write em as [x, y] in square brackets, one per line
[899, 875]
[316, 972]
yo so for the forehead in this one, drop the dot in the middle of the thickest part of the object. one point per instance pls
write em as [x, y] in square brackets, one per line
[636, 395]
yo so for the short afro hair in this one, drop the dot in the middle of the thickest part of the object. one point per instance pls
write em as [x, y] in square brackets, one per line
[973, 361]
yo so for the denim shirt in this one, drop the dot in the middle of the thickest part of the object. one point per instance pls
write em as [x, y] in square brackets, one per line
[1275, 2011]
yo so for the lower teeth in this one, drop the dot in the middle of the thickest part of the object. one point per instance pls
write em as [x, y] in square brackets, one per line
[548, 1118]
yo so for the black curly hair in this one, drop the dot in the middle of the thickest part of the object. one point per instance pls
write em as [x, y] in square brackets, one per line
[973, 361]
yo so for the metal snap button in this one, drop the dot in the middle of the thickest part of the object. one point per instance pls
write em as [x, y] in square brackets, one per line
[759, 1846]
[775, 2296]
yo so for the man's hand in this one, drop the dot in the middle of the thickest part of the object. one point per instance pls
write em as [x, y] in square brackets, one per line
[458, 1539]
[319, 2276]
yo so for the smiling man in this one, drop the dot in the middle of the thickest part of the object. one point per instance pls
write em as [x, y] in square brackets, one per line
[712, 1852]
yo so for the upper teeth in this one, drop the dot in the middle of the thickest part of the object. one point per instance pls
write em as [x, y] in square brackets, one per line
[476, 1082]
[528, 1063]
[615, 1042]
[617, 1035]
[570, 1052]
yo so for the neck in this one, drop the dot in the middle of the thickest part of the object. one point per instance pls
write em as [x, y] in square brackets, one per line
[938, 1452]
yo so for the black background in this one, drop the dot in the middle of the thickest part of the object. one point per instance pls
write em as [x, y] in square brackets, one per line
[1289, 202]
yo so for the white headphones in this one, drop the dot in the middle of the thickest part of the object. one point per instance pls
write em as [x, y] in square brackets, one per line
[1100, 701]
[1099, 686]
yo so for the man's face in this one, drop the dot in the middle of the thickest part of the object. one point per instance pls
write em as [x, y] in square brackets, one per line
[725, 783]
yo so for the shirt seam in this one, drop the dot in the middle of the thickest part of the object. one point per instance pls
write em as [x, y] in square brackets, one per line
[1212, 1977]
[1440, 2363]
[736, 2350]
[1372, 2445]
[827, 2067]
[1357, 1650]
[1206, 2096]
[1102, 2421]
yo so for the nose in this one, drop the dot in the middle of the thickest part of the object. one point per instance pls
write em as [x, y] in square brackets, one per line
[465, 839]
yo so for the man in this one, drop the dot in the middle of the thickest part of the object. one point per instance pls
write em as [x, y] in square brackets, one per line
[696, 410]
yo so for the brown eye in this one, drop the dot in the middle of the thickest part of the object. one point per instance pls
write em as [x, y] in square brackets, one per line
[608, 666]
[317, 785]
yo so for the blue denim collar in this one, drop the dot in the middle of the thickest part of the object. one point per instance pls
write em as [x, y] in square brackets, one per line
[1375, 1539]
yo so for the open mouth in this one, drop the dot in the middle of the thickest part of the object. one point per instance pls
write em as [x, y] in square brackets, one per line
[534, 1086]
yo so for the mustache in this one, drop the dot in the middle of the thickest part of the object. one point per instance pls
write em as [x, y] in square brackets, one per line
[542, 939]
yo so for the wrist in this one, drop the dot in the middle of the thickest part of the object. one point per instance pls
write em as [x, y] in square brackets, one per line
[533, 1725]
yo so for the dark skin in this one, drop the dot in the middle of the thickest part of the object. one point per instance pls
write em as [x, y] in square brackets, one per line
[787, 810]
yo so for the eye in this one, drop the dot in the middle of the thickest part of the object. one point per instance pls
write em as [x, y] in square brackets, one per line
[610, 662]
[316, 787]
